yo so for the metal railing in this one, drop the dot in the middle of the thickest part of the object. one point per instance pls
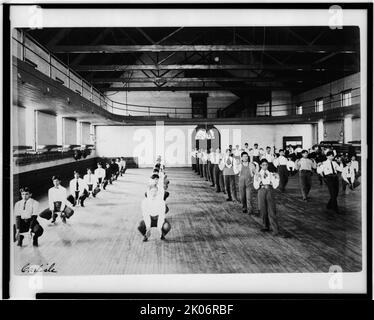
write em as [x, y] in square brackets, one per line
[29, 50]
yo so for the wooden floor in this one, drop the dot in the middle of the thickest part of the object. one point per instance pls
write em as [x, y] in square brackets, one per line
[208, 235]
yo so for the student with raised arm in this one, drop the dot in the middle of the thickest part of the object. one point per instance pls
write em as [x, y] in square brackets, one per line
[266, 181]
[246, 171]
[226, 165]
[153, 210]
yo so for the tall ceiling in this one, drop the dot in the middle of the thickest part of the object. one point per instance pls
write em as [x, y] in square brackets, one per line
[236, 59]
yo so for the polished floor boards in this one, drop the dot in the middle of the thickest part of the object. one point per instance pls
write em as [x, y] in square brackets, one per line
[208, 235]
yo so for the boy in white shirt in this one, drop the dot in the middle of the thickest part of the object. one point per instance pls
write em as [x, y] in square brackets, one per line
[100, 174]
[57, 202]
[348, 177]
[266, 182]
[329, 170]
[153, 210]
[281, 164]
[78, 190]
[26, 213]
[91, 180]
[355, 166]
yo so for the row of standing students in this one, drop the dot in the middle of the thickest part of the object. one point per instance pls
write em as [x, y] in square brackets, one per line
[60, 202]
[238, 177]
[235, 176]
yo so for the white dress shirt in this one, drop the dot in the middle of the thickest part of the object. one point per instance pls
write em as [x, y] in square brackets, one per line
[90, 179]
[269, 157]
[305, 164]
[237, 152]
[326, 168]
[81, 186]
[255, 152]
[280, 161]
[122, 164]
[348, 172]
[355, 165]
[26, 209]
[152, 208]
[100, 173]
[266, 178]
[57, 194]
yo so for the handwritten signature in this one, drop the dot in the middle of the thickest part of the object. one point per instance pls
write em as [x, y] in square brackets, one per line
[33, 268]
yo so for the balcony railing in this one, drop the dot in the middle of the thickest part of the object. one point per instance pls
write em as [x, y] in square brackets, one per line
[29, 50]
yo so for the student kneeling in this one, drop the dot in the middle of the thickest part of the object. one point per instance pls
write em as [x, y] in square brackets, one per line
[153, 209]
[57, 202]
[78, 190]
[26, 213]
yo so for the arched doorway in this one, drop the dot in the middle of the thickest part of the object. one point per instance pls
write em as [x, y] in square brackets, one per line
[210, 137]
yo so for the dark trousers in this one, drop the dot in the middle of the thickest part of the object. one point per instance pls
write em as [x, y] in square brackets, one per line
[237, 187]
[245, 188]
[211, 173]
[165, 227]
[230, 186]
[256, 159]
[218, 178]
[48, 214]
[75, 198]
[25, 225]
[349, 184]
[332, 182]
[197, 166]
[266, 205]
[201, 171]
[205, 171]
[305, 181]
[105, 183]
[283, 177]
[194, 166]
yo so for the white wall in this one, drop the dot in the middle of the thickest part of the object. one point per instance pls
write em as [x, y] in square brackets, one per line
[175, 142]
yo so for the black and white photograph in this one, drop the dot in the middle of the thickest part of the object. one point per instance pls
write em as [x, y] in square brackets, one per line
[188, 150]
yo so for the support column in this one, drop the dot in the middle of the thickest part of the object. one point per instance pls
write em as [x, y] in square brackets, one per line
[320, 131]
[79, 132]
[30, 127]
[348, 128]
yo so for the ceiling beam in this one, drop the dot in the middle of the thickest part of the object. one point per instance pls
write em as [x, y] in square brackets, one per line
[206, 67]
[202, 79]
[100, 37]
[181, 48]
[169, 35]
[198, 88]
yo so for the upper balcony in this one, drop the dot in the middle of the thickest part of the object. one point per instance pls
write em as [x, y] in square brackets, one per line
[40, 74]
